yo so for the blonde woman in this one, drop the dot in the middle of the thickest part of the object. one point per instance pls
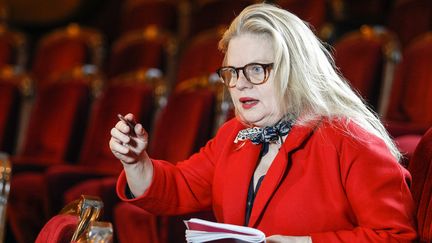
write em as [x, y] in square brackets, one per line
[304, 160]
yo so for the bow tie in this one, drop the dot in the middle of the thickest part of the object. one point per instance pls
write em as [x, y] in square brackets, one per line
[269, 134]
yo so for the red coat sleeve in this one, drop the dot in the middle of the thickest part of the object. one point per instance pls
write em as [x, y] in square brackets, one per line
[184, 187]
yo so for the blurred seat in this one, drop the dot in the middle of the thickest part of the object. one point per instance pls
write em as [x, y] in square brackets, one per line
[5, 177]
[53, 135]
[162, 14]
[410, 104]
[142, 49]
[66, 49]
[200, 57]
[420, 167]
[209, 14]
[409, 110]
[147, 223]
[410, 18]
[312, 11]
[366, 58]
[77, 222]
[53, 132]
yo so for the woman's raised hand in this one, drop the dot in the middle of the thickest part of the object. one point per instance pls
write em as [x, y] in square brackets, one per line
[129, 140]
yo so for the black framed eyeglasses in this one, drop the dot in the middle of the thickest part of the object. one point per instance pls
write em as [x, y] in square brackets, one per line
[255, 73]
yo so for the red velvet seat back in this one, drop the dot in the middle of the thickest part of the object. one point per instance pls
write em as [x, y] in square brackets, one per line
[405, 13]
[58, 58]
[137, 15]
[411, 96]
[201, 56]
[312, 11]
[62, 50]
[207, 15]
[57, 111]
[360, 56]
[420, 167]
[116, 99]
[141, 49]
[9, 115]
[183, 126]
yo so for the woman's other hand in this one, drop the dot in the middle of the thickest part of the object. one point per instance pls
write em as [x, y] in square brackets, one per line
[288, 239]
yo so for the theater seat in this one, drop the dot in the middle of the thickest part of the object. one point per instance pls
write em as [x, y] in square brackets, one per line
[137, 15]
[65, 49]
[311, 11]
[74, 223]
[207, 15]
[410, 102]
[365, 57]
[53, 134]
[410, 107]
[404, 13]
[420, 167]
[142, 49]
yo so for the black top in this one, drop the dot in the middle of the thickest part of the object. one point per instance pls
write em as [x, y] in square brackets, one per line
[251, 197]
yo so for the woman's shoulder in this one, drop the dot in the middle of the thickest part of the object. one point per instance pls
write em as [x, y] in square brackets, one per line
[345, 129]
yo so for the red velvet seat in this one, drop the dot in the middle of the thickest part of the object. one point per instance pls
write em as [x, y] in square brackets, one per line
[137, 15]
[59, 229]
[420, 167]
[206, 15]
[312, 11]
[410, 19]
[363, 56]
[53, 134]
[410, 104]
[144, 225]
[201, 56]
[62, 50]
[77, 222]
[141, 49]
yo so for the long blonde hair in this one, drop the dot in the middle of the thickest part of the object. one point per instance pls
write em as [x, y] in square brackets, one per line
[308, 84]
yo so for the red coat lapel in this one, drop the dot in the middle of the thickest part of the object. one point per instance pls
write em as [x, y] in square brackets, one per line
[277, 171]
[242, 163]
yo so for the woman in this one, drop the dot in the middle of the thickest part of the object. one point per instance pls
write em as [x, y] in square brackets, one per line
[304, 160]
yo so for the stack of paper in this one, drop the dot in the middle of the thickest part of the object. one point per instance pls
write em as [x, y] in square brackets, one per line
[199, 230]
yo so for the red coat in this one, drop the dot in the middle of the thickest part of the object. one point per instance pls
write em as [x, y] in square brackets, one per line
[322, 183]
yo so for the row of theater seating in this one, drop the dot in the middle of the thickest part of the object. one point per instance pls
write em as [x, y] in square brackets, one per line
[66, 116]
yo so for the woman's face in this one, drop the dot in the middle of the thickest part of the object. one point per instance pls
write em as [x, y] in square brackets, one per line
[255, 104]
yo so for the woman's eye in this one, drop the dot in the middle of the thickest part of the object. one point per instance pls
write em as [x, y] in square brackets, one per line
[257, 69]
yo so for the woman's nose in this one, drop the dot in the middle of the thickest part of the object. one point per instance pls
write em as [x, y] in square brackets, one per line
[242, 81]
